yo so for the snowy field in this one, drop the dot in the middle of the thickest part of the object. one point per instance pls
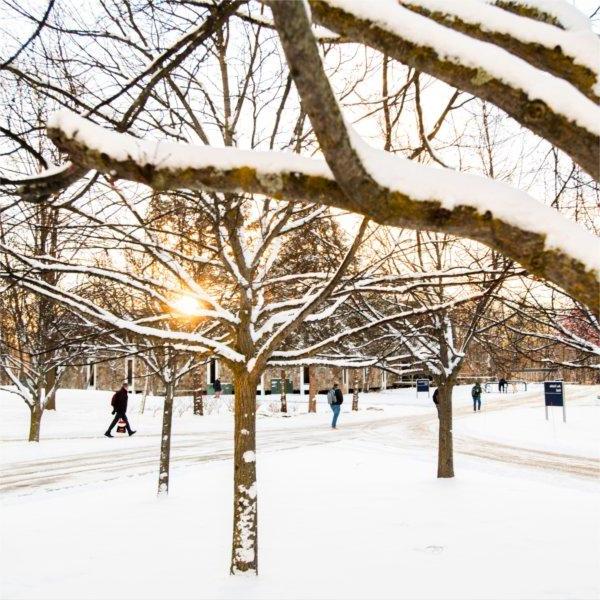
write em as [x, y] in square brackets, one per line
[354, 513]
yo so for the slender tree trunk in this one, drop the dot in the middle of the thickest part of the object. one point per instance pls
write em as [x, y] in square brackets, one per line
[165, 440]
[312, 390]
[445, 447]
[35, 422]
[144, 395]
[355, 393]
[198, 403]
[283, 393]
[244, 550]
[50, 383]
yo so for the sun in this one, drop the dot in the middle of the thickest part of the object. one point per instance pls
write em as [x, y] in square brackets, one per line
[186, 305]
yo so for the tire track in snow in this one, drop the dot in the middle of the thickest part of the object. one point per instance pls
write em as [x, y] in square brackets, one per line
[411, 431]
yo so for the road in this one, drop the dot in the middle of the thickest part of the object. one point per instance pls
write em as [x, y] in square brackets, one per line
[398, 432]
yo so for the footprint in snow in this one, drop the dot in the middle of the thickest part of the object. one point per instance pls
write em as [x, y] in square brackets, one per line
[431, 549]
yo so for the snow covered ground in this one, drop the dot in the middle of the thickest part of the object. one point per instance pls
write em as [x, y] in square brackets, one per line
[352, 513]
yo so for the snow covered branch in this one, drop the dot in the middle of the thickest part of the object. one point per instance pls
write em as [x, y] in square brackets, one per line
[406, 194]
[546, 104]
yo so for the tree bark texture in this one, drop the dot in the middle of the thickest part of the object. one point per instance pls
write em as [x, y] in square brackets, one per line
[165, 440]
[283, 393]
[35, 422]
[244, 550]
[198, 403]
[50, 385]
[312, 390]
[355, 393]
[445, 442]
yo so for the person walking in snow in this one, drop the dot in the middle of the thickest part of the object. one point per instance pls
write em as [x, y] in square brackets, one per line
[436, 401]
[335, 399]
[218, 388]
[502, 385]
[119, 404]
[476, 395]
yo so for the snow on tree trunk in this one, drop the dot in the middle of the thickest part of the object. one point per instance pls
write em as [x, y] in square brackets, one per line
[283, 393]
[165, 440]
[50, 385]
[198, 403]
[35, 422]
[244, 550]
[355, 393]
[445, 446]
[312, 390]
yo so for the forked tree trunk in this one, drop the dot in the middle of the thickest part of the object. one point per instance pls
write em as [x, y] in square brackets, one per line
[50, 383]
[355, 393]
[244, 550]
[312, 390]
[165, 440]
[445, 447]
[283, 393]
[35, 422]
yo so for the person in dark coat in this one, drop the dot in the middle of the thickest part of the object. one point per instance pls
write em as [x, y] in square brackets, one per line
[436, 401]
[335, 399]
[476, 395]
[119, 404]
[217, 387]
[503, 385]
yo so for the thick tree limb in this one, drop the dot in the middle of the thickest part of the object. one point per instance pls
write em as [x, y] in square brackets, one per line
[551, 56]
[297, 182]
[582, 145]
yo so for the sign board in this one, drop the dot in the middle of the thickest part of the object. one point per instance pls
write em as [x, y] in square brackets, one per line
[422, 385]
[276, 386]
[553, 393]
[226, 388]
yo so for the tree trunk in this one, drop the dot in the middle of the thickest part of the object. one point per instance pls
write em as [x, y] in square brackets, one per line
[198, 403]
[35, 422]
[367, 380]
[244, 550]
[445, 449]
[50, 383]
[165, 440]
[355, 393]
[283, 394]
[312, 390]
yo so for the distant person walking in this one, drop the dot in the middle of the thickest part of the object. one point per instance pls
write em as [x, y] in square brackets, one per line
[119, 404]
[218, 388]
[502, 385]
[335, 399]
[436, 401]
[476, 395]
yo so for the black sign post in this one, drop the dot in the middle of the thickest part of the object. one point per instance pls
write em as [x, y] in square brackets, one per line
[554, 395]
[423, 386]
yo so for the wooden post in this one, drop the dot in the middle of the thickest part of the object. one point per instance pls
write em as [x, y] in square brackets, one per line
[283, 394]
[355, 392]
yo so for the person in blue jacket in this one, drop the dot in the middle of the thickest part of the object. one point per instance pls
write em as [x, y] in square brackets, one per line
[335, 399]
